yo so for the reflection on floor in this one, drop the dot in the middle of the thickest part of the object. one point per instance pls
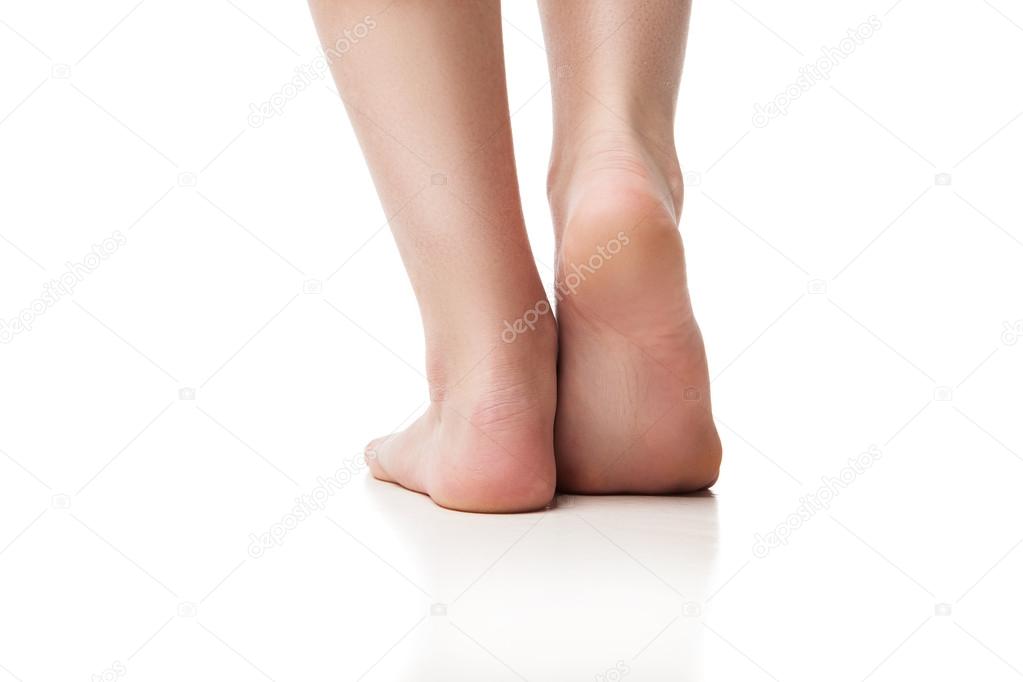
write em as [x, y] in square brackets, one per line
[592, 588]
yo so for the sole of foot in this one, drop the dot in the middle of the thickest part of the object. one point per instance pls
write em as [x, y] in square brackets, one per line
[485, 443]
[634, 413]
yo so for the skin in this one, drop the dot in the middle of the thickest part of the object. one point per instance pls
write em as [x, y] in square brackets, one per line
[634, 413]
[426, 93]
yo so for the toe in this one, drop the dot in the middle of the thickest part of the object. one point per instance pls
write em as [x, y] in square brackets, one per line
[373, 454]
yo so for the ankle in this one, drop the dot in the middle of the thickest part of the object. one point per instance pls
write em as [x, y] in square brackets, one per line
[617, 159]
[520, 350]
[592, 108]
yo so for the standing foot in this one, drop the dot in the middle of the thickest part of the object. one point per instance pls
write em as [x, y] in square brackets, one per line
[485, 444]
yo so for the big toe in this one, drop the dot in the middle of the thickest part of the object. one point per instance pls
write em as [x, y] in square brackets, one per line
[373, 454]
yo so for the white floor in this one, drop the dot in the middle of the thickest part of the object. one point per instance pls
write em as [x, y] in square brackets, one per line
[855, 265]
[382, 585]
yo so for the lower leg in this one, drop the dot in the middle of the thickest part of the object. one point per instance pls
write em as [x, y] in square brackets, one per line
[426, 94]
[615, 69]
[633, 388]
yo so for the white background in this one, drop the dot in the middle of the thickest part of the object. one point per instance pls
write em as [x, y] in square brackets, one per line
[126, 511]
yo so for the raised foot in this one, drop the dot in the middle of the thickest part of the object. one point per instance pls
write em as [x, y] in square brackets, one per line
[634, 413]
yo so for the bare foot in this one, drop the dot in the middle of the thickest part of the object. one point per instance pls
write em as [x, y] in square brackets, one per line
[634, 412]
[485, 444]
